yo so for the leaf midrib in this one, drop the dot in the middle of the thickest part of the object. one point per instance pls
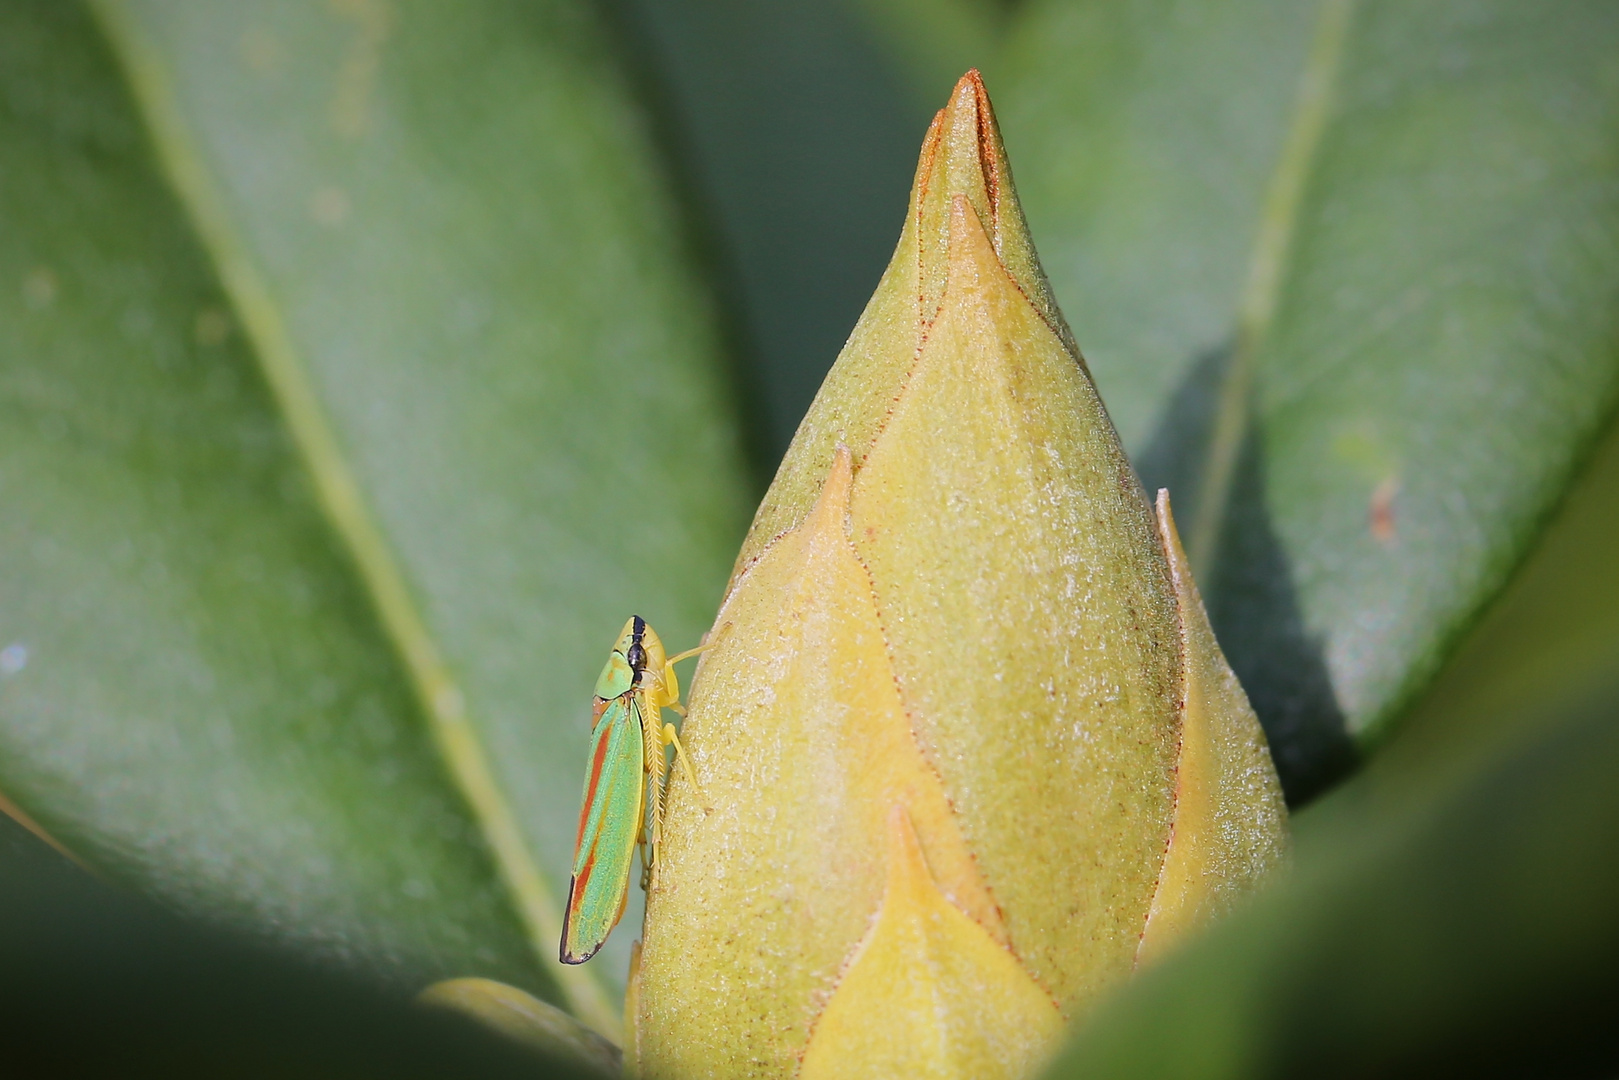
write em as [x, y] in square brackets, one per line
[1267, 270]
[342, 501]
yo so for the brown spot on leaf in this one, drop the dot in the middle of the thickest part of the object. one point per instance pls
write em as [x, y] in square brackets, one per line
[1380, 513]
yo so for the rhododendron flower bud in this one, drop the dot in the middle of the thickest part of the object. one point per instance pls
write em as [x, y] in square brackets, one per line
[967, 746]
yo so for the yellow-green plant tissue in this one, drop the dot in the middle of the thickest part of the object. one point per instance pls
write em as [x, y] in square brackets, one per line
[969, 749]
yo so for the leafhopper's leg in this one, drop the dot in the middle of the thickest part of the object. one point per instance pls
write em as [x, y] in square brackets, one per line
[672, 738]
[689, 653]
[646, 861]
[656, 794]
[664, 690]
[651, 733]
[669, 690]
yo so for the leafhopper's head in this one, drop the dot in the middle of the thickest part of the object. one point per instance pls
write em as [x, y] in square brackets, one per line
[625, 663]
[652, 657]
[638, 650]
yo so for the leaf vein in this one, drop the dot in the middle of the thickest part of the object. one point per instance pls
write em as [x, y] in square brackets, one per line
[341, 498]
[1267, 268]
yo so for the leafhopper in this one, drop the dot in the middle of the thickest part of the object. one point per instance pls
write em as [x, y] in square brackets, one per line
[622, 809]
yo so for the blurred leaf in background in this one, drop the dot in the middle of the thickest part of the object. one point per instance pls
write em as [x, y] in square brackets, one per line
[358, 376]
[1452, 907]
[1346, 273]
[797, 141]
[405, 382]
[195, 697]
[1400, 220]
[1474, 936]
[1343, 271]
[99, 983]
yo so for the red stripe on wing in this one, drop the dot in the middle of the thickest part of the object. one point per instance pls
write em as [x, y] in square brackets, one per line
[577, 886]
[598, 761]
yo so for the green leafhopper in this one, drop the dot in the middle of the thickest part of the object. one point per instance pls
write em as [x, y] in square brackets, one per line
[623, 782]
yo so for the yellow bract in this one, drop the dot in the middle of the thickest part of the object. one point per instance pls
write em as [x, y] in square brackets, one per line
[1031, 620]
[1230, 821]
[811, 696]
[963, 727]
[929, 993]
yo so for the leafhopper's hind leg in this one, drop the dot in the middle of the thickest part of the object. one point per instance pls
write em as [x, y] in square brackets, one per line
[667, 692]
[671, 737]
[664, 693]
[689, 653]
[656, 789]
[646, 855]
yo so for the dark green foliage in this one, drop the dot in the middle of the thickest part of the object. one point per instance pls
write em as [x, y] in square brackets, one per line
[1347, 274]
[198, 700]
[99, 983]
[1452, 929]
[363, 365]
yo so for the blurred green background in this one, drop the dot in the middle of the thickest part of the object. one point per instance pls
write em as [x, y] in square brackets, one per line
[363, 364]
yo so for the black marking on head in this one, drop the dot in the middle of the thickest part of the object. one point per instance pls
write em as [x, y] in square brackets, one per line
[637, 655]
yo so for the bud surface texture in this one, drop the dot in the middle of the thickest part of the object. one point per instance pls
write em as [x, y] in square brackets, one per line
[944, 727]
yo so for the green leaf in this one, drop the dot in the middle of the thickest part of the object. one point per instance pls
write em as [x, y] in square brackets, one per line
[935, 41]
[195, 697]
[99, 982]
[526, 1020]
[1476, 939]
[1552, 636]
[308, 560]
[1451, 910]
[1346, 275]
[801, 143]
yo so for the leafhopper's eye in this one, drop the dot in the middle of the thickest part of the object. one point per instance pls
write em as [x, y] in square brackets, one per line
[637, 657]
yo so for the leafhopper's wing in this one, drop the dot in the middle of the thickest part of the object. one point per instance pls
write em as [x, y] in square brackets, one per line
[609, 823]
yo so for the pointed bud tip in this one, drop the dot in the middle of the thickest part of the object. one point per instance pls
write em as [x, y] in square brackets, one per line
[1230, 823]
[964, 155]
[965, 100]
[969, 92]
[973, 154]
[832, 507]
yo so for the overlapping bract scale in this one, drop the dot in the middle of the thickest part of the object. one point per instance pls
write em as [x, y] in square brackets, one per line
[961, 695]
